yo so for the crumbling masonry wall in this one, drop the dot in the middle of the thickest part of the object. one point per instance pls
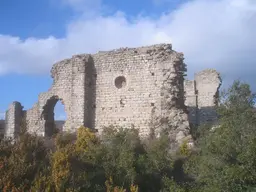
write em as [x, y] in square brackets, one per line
[13, 122]
[129, 87]
[202, 96]
[140, 87]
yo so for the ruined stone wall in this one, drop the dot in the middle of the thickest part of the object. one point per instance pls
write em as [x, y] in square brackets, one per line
[13, 120]
[128, 87]
[202, 96]
[41, 116]
[207, 83]
[71, 79]
[136, 86]
[174, 115]
[191, 100]
[83, 88]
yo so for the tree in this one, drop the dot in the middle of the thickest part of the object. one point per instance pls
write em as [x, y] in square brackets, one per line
[227, 157]
[21, 161]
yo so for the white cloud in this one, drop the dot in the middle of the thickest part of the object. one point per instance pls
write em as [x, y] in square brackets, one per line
[218, 34]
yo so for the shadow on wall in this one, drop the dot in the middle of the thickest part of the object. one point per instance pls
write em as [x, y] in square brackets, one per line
[90, 94]
[2, 124]
[200, 116]
[48, 115]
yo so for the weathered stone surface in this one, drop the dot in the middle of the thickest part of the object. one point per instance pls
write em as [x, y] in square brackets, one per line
[13, 119]
[202, 96]
[129, 87]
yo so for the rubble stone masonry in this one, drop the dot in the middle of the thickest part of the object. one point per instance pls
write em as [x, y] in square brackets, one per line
[129, 87]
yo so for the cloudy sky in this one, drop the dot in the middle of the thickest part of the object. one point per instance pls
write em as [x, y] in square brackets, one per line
[218, 34]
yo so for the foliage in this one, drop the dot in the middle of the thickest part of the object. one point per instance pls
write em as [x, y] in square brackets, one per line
[184, 148]
[21, 162]
[118, 161]
[85, 138]
[227, 160]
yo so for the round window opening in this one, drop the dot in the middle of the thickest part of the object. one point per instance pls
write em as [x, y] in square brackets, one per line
[120, 82]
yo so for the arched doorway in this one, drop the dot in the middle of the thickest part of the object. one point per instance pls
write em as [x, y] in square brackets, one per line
[54, 116]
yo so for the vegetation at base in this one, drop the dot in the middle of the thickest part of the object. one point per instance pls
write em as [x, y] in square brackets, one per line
[224, 158]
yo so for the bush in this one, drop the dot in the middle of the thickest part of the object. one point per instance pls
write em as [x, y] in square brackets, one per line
[21, 162]
[119, 161]
[227, 161]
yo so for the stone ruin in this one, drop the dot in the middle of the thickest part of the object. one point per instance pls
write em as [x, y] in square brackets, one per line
[140, 87]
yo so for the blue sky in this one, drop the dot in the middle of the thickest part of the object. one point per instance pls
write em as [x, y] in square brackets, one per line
[34, 34]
